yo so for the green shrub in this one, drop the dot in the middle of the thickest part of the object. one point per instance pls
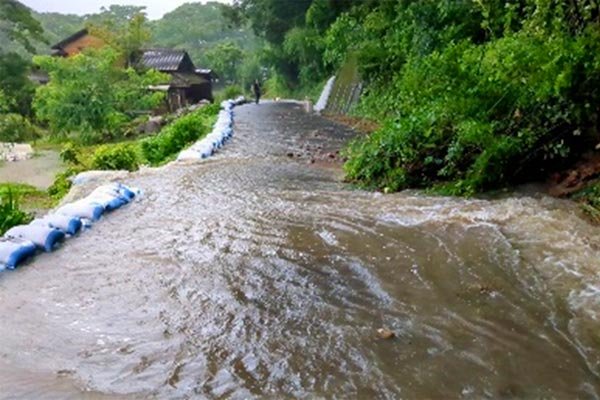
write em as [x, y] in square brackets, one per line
[231, 92]
[10, 213]
[589, 197]
[62, 183]
[69, 154]
[482, 116]
[276, 86]
[29, 197]
[116, 157]
[179, 134]
[16, 128]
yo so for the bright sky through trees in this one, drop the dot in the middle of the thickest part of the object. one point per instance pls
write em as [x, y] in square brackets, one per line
[155, 8]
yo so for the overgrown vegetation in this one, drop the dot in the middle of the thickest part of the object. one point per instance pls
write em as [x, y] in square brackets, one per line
[590, 200]
[15, 128]
[178, 135]
[471, 96]
[496, 96]
[116, 157]
[10, 212]
[92, 95]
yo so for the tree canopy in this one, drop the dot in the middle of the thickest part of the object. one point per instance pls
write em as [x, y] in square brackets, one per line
[18, 25]
[89, 93]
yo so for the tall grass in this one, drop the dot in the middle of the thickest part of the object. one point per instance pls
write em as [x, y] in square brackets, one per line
[10, 213]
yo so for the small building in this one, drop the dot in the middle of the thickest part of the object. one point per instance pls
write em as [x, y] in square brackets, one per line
[186, 86]
[76, 43]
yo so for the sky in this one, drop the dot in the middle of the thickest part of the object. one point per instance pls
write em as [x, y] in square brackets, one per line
[155, 8]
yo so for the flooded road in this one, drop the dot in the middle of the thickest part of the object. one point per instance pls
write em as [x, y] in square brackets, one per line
[259, 275]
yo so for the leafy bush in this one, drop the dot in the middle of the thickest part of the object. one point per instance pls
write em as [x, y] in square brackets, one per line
[179, 134]
[230, 92]
[16, 128]
[91, 94]
[62, 183]
[69, 154]
[116, 157]
[276, 86]
[473, 111]
[10, 213]
[29, 197]
[590, 200]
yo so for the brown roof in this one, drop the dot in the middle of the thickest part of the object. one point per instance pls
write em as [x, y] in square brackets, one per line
[76, 36]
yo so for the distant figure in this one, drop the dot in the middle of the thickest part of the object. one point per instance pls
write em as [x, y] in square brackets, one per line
[256, 90]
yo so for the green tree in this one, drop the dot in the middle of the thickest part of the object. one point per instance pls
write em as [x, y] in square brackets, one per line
[116, 16]
[5, 102]
[294, 33]
[271, 20]
[90, 94]
[17, 23]
[225, 58]
[126, 29]
[197, 27]
[17, 87]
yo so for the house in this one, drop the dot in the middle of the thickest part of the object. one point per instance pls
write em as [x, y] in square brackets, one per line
[76, 43]
[186, 86]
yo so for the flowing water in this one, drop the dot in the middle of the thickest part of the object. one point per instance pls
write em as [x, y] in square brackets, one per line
[255, 274]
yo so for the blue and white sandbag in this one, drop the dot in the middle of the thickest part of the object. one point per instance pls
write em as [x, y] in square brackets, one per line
[221, 132]
[204, 148]
[239, 100]
[82, 209]
[108, 196]
[188, 154]
[43, 237]
[14, 251]
[67, 224]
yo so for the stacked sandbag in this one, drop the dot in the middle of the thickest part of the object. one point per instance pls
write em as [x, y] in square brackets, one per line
[14, 251]
[221, 132]
[46, 233]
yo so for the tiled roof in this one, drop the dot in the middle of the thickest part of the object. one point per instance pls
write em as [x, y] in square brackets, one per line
[163, 59]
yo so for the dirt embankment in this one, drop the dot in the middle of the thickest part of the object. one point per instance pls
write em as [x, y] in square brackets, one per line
[566, 184]
[577, 178]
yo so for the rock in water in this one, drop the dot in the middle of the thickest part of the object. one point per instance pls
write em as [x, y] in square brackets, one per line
[385, 333]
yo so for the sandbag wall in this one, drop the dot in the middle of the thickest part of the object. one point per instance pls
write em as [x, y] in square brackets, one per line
[222, 131]
[45, 234]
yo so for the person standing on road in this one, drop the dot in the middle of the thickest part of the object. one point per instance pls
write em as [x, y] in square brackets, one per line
[256, 90]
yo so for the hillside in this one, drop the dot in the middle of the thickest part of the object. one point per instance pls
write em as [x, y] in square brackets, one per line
[195, 27]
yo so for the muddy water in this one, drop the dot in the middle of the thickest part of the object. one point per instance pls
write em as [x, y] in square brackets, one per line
[255, 274]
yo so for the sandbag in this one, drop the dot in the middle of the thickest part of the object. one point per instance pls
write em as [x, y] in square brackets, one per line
[203, 148]
[117, 190]
[127, 192]
[82, 209]
[65, 223]
[221, 132]
[188, 155]
[110, 202]
[44, 237]
[14, 251]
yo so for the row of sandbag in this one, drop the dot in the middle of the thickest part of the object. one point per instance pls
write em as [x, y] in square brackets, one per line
[44, 234]
[222, 131]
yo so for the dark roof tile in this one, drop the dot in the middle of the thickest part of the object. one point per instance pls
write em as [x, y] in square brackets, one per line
[163, 59]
